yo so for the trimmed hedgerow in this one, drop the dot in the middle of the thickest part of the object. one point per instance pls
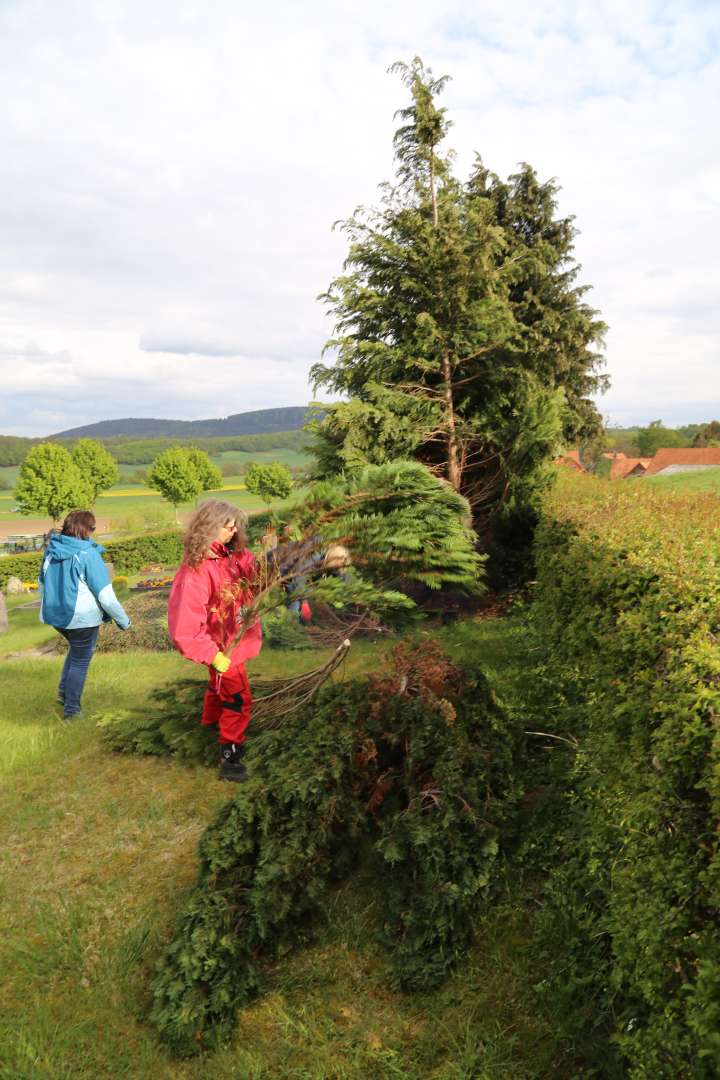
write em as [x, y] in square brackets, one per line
[25, 567]
[628, 609]
[414, 768]
[127, 556]
[131, 554]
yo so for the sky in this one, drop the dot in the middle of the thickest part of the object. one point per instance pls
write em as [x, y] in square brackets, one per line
[170, 173]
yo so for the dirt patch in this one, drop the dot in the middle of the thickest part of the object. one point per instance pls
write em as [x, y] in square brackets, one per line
[22, 526]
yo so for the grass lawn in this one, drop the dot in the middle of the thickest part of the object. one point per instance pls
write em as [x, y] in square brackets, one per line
[25, 631]
[96, 854]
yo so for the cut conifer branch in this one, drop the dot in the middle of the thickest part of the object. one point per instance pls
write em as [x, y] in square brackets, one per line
[352, 544]
[395, 523]
[275, 699]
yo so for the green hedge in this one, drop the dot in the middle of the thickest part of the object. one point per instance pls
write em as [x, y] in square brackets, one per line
[25, 567]
[628, 610]
[127, 556]
[130, 555]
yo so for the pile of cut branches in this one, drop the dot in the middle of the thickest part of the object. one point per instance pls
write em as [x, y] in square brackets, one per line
[414, 767]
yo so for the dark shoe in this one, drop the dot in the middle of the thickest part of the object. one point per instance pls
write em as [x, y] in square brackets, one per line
[68, 718]
[231, 766]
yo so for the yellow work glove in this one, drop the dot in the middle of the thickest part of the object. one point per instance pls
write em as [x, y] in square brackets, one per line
[221, 662]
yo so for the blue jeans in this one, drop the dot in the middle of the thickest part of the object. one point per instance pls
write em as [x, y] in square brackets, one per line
[82, 644]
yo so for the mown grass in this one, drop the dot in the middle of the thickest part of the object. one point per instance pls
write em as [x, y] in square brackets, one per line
[25, 631]
[96, 853]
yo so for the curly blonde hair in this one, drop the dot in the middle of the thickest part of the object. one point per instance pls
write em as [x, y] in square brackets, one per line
[205, 524]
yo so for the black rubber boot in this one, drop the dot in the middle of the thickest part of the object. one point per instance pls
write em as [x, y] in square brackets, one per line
[231, 766]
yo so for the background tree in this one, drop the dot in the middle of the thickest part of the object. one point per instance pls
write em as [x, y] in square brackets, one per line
[622, 441]
[209, 476]
[50, 483]
[709, 435]
[174, 475]
[463, 299]
[271, 480]
[97, 465]
[656, 435]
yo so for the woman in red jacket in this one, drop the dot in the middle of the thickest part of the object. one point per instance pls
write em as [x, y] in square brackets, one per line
[202, 622]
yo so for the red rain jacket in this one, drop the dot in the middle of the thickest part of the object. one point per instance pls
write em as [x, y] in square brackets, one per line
[197, 624]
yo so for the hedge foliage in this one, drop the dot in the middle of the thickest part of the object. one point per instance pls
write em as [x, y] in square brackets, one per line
[413, 769]
[128, 556]
[25, 567]
[628, 610]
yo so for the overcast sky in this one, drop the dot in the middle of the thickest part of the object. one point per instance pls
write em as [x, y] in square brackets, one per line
[170, 172]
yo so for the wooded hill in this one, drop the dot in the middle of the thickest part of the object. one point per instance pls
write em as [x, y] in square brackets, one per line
[258, 422]
[140, 450]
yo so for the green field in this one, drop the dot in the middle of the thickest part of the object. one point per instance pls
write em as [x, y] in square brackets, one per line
[294, 459]
[97, 853]
[131, 507]
[703, 480]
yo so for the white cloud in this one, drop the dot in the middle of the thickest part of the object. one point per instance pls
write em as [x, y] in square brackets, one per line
[170, 174]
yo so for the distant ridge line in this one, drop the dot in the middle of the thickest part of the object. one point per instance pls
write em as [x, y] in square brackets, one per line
[257, 422]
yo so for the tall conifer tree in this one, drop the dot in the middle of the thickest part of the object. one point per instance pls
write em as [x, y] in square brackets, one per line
[458, 309]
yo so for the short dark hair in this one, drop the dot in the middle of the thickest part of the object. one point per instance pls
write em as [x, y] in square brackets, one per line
[79, 523]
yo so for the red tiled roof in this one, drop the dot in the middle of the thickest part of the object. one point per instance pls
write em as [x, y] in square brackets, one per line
[622, 466]
[686, 455]
[571, 458]
[612, 454]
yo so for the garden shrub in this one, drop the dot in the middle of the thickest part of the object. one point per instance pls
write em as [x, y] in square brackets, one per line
[628, 610]
[414, 768]
[121, 586]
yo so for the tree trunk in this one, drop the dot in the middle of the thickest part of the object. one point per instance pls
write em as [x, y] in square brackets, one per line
[453, 450]
[433, 194]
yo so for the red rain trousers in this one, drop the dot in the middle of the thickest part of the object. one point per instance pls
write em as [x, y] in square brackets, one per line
[228, 704]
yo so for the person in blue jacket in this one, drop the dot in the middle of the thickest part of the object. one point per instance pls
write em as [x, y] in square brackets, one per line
[76, 598]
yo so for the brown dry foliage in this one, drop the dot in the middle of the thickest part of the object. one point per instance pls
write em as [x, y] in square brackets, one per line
[417, 670]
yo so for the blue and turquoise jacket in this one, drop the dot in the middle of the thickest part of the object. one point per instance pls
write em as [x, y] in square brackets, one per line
[75, 584]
